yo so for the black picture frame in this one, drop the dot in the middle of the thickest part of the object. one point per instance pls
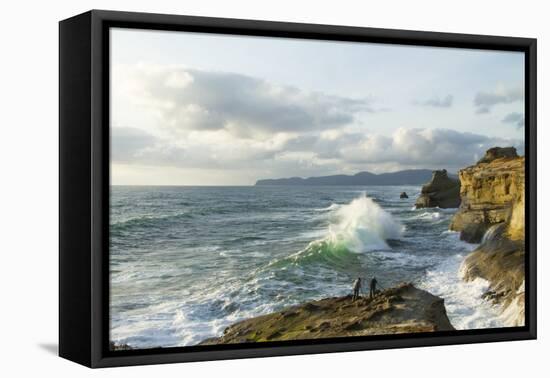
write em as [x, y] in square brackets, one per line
[84, 186]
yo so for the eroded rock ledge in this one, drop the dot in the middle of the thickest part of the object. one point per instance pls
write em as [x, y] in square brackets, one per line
[492, 213]
[402, 309]
[501, 261]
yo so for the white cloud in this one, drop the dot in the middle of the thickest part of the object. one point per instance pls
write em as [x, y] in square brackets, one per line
[187, 99]
[127, 142]
[309, 154]
[424, 148]
[515, 118]
[484, 101]
[437, 102]
[206, 123]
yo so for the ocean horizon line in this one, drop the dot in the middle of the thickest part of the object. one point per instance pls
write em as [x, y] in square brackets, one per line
[250, 186]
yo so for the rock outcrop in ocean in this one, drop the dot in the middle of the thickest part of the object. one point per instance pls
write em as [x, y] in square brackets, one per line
[442, 191]
[402, 309]
[492, 213]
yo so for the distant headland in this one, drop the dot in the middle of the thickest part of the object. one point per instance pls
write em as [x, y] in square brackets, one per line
[406, 177]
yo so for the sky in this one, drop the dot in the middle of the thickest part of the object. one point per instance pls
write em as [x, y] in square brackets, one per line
[209, 109]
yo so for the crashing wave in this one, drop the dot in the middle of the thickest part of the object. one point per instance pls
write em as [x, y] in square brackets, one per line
[357, 227]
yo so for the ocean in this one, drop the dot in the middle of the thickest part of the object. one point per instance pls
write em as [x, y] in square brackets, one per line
[186, 262]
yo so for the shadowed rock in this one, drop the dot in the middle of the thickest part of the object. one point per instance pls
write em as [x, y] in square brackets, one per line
[501, 261]
[498, 153]
[442, 191]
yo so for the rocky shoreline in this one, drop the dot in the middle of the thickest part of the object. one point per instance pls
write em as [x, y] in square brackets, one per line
[492, 213]
[402, 309]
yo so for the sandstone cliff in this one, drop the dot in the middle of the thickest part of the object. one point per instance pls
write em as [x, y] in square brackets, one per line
[492, 213]
[403, 309]
[441, 191]
[492, 192]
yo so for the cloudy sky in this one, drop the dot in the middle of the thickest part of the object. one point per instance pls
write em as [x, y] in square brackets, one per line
[197, 109]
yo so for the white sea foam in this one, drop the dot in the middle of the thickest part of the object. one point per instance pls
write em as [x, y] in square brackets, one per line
[439, 209]
[186, 318]
[450, 210]
[491, 233]
[332, 207]
[362, 225]
[514, 314]
[428, 215]
[454, 240]
[463, 300]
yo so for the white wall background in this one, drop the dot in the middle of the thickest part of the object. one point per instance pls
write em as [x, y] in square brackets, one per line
[28, 211]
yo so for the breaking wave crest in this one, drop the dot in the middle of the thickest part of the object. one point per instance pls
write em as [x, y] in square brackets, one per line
[357, 227]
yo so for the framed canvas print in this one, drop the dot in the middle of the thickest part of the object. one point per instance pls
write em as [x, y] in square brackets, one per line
[234, 188]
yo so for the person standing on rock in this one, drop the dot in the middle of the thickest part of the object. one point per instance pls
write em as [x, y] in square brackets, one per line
[373, 283]
[356, 288]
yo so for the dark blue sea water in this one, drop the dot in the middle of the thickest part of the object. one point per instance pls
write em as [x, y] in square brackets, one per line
[188, 261]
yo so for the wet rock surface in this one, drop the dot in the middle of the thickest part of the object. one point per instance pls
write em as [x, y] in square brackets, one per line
[402, 309]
